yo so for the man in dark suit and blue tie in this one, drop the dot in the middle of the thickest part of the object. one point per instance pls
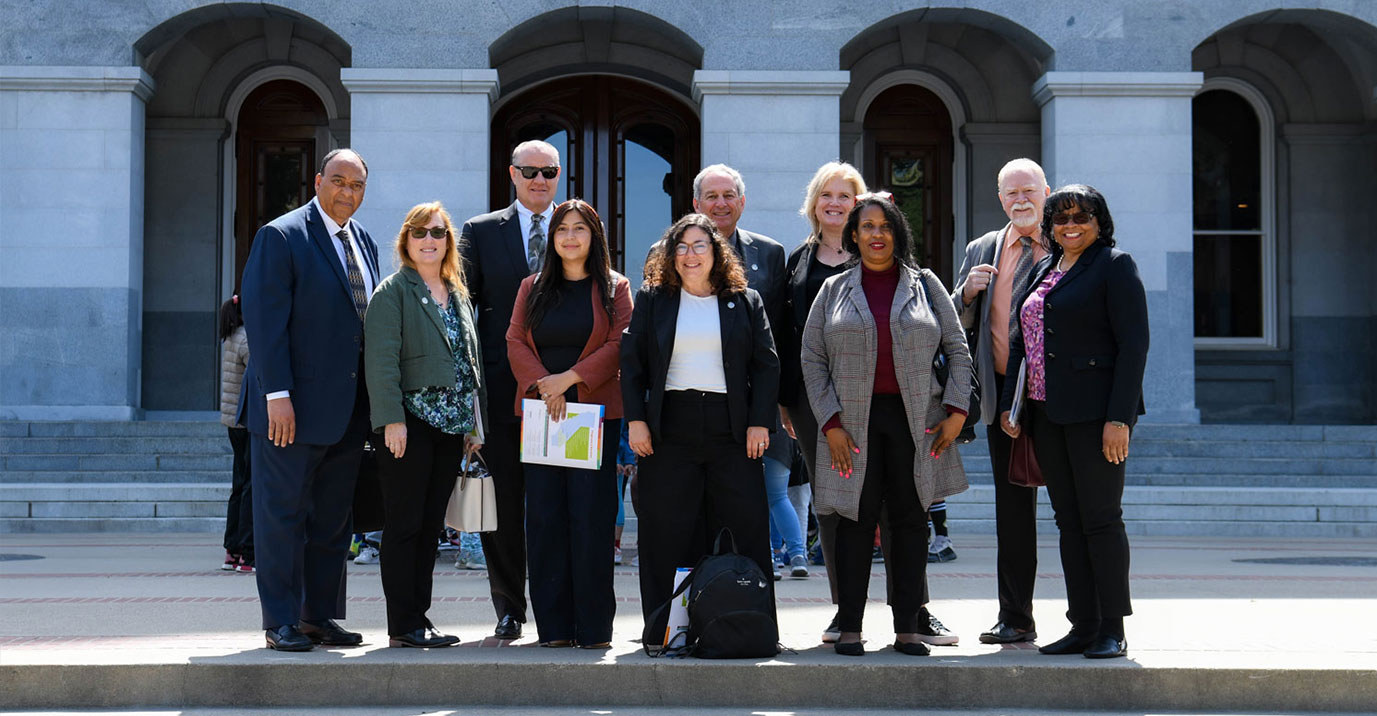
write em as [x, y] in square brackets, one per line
[305, 289]
[499, 250]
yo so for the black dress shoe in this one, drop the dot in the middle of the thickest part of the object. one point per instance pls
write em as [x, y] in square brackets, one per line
[1072, 643]
[1107, 647]
[288, 638]
[507, 628]
[916, 648]
[423, 638]
[1002, 633]
[849, 648]
[328, 633]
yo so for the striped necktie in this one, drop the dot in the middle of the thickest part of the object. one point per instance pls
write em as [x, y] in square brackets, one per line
[351, 266]
[1021, 271]
[535, 244]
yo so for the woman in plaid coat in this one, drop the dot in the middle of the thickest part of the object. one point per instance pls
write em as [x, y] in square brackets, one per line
[888, 424]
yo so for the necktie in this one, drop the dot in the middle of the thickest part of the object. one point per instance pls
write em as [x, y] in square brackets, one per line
[535, 244]
[351, 266]
[1021, 271]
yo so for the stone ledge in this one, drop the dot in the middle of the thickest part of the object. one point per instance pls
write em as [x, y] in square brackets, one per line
[419, 81]
[51, 78]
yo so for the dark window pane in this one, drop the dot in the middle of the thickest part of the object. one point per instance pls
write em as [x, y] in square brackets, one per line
[1228, 286]
[908, 182]
[1227, 162]
[283, 182]
[646, 208]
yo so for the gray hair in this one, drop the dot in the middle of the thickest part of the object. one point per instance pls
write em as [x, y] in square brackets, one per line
[534, 144]
[718, 169]
[1020, 164]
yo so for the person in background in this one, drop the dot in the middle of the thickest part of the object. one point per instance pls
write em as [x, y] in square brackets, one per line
[564, 346]
[427, 392]
[867, 358]
[939, 546]
[626, 472]
[234, 358]
[1083, 330]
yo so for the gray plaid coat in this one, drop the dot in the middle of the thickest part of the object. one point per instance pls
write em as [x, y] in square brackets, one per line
[838, 361]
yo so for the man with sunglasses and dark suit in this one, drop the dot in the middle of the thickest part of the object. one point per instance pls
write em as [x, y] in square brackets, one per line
[500, 249]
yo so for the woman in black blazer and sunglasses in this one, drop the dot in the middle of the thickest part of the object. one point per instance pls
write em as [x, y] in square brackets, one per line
[1083, 328]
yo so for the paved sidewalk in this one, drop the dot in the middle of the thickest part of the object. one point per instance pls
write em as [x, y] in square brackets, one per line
[125, 620]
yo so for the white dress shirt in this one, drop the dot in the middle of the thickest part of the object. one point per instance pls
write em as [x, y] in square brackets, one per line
[696, 363]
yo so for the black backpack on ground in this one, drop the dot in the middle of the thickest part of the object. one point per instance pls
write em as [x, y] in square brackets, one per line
[730, 607]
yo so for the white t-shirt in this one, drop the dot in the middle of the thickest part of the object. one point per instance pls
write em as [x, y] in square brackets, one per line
[697, 360]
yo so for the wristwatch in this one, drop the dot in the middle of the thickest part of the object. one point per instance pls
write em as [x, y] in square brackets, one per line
[1118, 423]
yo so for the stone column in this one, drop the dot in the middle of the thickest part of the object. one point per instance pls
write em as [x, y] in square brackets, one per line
[776, 128]
[425, 136]
[1128, 134]
[71, 241]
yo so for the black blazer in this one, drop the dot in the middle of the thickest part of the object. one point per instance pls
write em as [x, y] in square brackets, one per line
[494, 256]
[304, 333]
[748, 358]
[1095, 342]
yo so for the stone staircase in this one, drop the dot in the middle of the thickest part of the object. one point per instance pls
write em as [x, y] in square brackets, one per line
[1217, 480]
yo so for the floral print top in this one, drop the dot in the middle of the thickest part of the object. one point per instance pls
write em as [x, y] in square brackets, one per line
[449, 410]
[1030, 317]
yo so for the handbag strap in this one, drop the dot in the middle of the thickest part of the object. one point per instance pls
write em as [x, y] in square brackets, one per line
[668, 649]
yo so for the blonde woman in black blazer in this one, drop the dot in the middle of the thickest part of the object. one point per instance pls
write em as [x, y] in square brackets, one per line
[1083, 328]
[700, 378]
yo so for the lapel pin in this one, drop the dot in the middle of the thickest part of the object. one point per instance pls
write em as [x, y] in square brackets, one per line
[755, 267]
[731, 304]
[425, 300]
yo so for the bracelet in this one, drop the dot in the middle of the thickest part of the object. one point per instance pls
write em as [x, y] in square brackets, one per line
[1119, 424]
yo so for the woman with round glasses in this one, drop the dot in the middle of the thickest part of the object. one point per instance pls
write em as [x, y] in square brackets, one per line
[1082, 335]
[425, 388]
[564, 344]
[699, 383]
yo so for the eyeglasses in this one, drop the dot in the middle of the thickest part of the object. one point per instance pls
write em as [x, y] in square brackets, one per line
[1080, 217]
[438, 232]
[699, 247]
[530, 172]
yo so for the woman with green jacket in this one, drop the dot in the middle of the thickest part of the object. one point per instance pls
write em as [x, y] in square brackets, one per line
[425, 389]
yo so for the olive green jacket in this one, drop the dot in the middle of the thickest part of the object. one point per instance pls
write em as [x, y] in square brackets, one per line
[405, 347]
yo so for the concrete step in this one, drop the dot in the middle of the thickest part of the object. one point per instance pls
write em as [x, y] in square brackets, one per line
[139, 428]
[151, 477]
[1187, 528]
[103, 463]
[1140, 464]
[179, 445]
[86, 525]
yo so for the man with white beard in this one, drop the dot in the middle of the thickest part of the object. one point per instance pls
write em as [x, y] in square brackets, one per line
[993, 274]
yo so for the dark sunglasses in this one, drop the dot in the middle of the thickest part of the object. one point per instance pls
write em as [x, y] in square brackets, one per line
[438, 232]
[547, 172]
[1080, 217]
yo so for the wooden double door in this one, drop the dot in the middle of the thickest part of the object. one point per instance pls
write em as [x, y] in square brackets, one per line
[628, 148]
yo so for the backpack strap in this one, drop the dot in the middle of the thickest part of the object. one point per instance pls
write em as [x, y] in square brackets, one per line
[646, 637]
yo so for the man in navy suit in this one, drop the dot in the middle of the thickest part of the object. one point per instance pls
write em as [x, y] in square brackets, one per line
[305, 289]
[499, 250]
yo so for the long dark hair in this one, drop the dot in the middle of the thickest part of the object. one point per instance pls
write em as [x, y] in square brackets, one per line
[1085, 198]
[230, 317]
[903, 235]
[549, 285]
[727, 274]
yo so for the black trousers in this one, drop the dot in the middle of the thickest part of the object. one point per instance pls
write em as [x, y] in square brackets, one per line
[303, 499]
[889, 489]
[698, 471]
[505, 547]
[571, 515]
[1086, 492]
[415, 489]
[1016, 531]
[239, 511]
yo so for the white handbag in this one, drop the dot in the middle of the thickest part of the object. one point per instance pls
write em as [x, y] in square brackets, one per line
[473, 502]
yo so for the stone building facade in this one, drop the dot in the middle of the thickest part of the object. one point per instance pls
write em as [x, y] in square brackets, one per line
[142, 143]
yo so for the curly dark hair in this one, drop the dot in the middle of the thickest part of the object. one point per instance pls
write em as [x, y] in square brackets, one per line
[727, 274]
[551, 282]
[1085, 198]
[903, 235]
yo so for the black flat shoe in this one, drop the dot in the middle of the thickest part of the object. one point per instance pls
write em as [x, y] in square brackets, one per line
[1107, 647]
[423, 638]
[1072, 643]
[558, 643]
[328, 633]
[916, 648]
[849, 648]
[1002, 633]
[287, 638]
[507, 628]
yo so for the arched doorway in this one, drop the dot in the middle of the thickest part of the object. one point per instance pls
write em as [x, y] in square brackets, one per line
[276, 150]
[908, 151]
[627, 147]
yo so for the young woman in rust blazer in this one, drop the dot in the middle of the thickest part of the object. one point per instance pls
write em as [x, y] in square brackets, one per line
[564, 345]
